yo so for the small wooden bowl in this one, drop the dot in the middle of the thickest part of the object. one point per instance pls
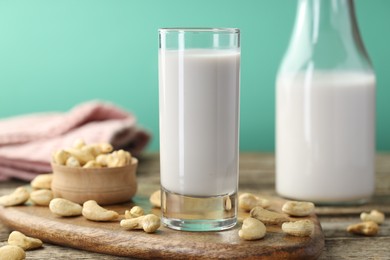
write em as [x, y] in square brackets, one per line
[104, 185]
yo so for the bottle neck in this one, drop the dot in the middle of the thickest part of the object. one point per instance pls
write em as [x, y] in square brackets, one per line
[326, 36]
[316, 17]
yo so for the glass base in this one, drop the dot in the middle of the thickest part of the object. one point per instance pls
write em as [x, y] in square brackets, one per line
[188, 213]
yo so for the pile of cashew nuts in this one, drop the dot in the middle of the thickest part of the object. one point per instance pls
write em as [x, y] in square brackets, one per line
[41, 195]
[91, 156]
[254, 227]
[80, 155]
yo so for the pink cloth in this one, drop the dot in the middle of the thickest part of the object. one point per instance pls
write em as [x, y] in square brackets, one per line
[27, 142]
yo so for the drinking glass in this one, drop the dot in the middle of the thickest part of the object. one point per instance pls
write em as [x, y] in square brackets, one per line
[199, 81]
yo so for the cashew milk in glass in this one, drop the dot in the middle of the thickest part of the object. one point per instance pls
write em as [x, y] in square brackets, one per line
[199, 121]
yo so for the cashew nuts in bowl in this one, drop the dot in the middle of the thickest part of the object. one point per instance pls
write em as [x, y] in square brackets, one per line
[94, 172]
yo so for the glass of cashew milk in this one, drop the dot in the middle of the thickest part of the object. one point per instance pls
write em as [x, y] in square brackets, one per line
[199, 81]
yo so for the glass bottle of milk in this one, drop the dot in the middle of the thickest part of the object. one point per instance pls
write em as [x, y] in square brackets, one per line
[325, 108]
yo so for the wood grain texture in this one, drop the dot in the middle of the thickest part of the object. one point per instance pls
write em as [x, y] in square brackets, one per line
[257, 175]
[110, 238]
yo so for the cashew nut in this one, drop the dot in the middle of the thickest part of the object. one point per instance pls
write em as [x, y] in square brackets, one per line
[149, 223]
[60, 157]
[115, 159]
[78, 143]
[375, 215]
[227, 203]
[268, 217]
[41, 197]
[102, 159]
[92, 164]
[17, 238]
[134, 212]
[17, 197]
[248, 201]
[252, 229]
[101, 148]
[12, 253]
[298, 208]
[300, 228]
[92, 211]
[367, 228]
[155, 199]
[42, 181]
[65, 208]
[82, 155]
[72, 162]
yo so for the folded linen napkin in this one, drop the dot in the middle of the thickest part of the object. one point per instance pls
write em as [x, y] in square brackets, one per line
[27, 142]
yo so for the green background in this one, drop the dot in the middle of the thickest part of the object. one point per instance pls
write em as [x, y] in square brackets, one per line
[56, 54]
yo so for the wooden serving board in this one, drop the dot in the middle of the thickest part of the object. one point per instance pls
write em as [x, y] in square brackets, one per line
[110, 238]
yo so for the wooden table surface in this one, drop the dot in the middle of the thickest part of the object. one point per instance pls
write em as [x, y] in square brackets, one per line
[257, 174]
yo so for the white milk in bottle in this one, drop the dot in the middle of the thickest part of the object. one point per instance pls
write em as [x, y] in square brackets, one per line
[325, 136]
[325, 108]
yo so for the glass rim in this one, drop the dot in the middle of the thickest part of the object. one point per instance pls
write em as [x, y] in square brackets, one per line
[199, 29]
